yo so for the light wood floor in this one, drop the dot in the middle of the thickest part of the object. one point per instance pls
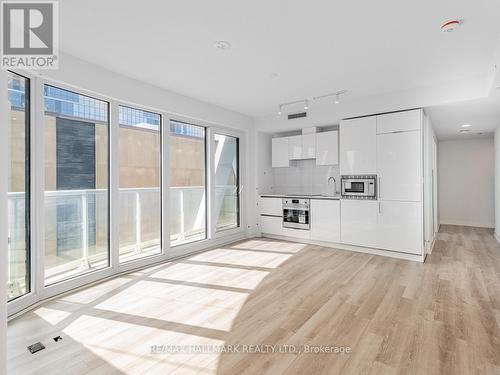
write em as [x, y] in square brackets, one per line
[398, 317]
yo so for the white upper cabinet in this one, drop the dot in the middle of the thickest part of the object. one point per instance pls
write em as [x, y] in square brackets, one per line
[358, 146]
[309, 146]
[399, 170]
[325, 220]
[399, 121]
[295, 147]
[280, 152]
[327, 148]
[302, 147]
[400, 227]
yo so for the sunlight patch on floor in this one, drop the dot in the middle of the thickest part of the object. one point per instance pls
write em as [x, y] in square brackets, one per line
[242, 258]
[121, 344]
[194, 306]
[51, 316]
[92, 293]
[213, 275]
[277, 246]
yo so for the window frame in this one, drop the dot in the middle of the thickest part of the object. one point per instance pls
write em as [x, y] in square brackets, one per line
[238, 183]
[27, 187]
[39, 292]
[242, 178]
[186, 121]
[116, 133]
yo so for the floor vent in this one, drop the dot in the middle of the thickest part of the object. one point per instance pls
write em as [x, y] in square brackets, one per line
[292, 116]
[36, 347]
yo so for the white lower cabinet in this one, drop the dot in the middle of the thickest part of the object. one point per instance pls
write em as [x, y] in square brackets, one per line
[359, 220]
[400, 226]
[271, 225]
[325, 220]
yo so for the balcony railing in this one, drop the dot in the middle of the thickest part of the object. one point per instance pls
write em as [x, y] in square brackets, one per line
[76, 227]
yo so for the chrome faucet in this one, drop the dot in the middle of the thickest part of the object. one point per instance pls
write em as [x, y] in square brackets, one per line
[334, 184]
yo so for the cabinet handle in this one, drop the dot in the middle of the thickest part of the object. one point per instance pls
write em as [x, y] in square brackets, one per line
[379, 208]
[379, 187]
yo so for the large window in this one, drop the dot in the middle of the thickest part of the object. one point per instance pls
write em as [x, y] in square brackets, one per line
[187, 211]
[227, 199]
[18, 253]
[140, 183]
[76, 184]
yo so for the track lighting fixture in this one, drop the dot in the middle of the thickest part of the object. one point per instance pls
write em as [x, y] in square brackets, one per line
[337, 95]
[305, 101]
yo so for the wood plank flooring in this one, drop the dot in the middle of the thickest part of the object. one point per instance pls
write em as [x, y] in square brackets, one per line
[397, 317]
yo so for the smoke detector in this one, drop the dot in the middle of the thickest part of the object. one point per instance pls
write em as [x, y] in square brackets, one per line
[450, 26]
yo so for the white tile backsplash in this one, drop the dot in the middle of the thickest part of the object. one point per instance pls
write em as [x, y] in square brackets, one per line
[305, 177]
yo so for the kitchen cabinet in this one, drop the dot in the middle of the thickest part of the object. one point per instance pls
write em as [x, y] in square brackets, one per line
[295, 147]
[358, 146]
[325, 220]
[271, 225]
[279, 152]
[399, 121]
[399, 160]
[271, 206]
[400, 226]
[309, 146]
[302, 147]
[359, 220]
[327, 148]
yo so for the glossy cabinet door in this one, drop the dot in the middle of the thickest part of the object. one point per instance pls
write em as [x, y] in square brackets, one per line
[327, 148]
[400, 226]
[271, 225]
[359, 219]
[399, 121]
[280, 152]
[308, 146]
[295, 147]
[358, 146]
[271, 206]
[399, 166]
[325, 220]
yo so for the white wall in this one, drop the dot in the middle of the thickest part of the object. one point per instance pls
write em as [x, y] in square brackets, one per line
[497, 183]
[466, 182]
[3, 221]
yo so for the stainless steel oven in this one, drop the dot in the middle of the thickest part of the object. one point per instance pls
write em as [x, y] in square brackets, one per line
[296, 213]
[359, 186]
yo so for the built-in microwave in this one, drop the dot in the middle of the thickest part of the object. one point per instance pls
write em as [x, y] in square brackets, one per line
[359, 186]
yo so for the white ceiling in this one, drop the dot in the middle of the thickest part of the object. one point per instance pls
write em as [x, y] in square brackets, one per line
[283, 50]
[482, 114]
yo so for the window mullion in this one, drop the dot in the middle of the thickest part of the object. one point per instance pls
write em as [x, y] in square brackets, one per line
[114, 186]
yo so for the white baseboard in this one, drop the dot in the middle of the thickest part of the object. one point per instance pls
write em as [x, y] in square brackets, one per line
[467, 223]
[358, 249]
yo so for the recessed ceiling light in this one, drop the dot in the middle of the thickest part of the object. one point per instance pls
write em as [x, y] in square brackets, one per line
[222, 45]
[466, 126]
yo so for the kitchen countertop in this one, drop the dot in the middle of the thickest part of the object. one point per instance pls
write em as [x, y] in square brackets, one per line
[318, 196]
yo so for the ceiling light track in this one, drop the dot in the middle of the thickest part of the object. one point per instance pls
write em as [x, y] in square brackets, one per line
[336, 94]
[282, 105]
